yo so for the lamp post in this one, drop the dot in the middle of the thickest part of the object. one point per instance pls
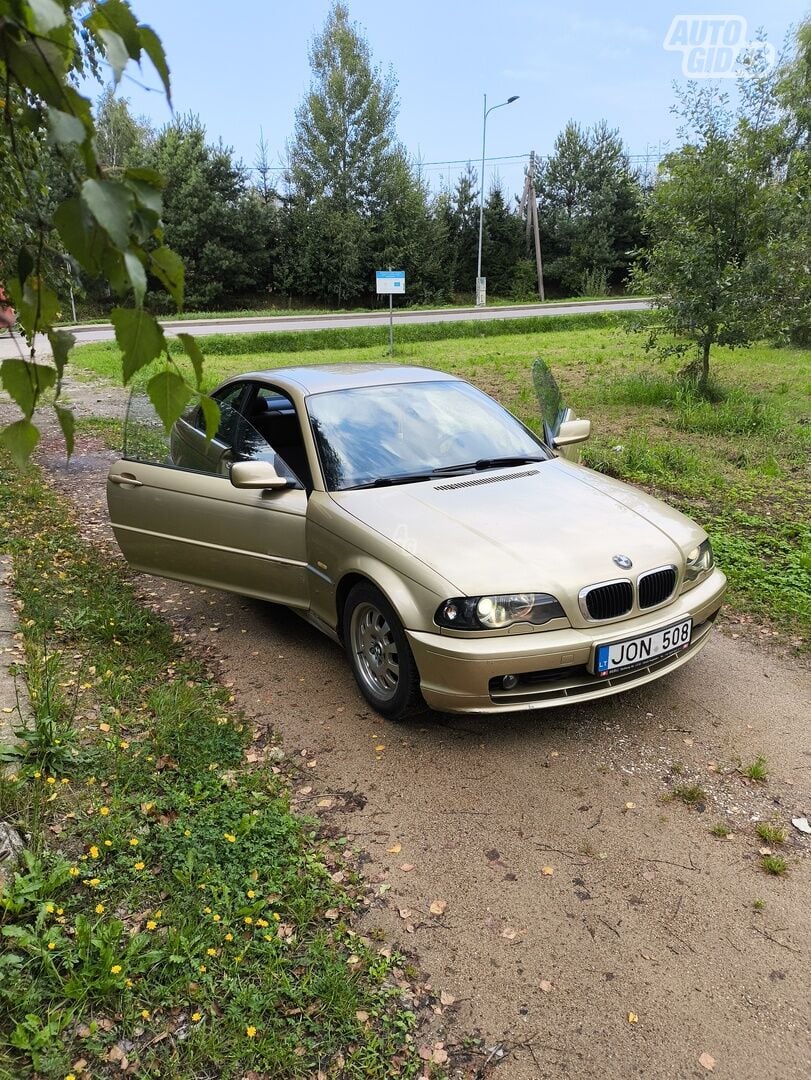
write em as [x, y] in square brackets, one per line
[481, 288]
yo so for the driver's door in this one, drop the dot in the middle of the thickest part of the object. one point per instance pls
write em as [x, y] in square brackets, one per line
[188, 521]
[554, 412]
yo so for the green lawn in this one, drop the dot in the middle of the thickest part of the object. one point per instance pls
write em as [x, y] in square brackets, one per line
[740, 465]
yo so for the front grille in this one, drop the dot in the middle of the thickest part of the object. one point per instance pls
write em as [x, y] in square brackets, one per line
[609, 601]
[656, 587]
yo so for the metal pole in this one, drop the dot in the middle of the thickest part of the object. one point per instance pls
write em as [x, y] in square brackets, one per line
[485, 114]
[391, 325]
[481, 190]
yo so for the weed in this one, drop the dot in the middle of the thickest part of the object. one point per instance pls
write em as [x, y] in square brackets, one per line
[738, 414]
[756, 770]
[758, 905]
[721, 830]
[771, 834]
[690, 794]
[774, 864]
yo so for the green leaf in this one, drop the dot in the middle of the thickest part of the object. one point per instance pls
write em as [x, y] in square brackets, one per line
[80, 233]
[147, 176]
[25, 264]
[37, 66]
[61, 341]
[167, 266]
[139, 337]
[115, 50]
[47, 15]
[136, 274]
[65, 129]
[147, 194]
[111, 204]
[118, 16]
[20, 439]
[37, 305]
[169, 394]
[114, 269]
[192, 350]
[211, 412]
[151, 44]
[25, 381]
[67, 422]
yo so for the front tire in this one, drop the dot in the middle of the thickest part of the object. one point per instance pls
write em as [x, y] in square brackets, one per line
[378, 652]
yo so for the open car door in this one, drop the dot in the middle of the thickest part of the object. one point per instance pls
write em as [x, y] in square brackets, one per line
[562, 430]
[181, 516]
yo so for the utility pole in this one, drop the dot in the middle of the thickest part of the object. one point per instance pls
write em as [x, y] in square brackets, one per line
[529, 206]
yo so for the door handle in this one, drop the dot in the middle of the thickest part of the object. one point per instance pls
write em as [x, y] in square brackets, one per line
[126, 479]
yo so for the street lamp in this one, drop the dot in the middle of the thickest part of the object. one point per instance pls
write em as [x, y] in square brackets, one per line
[481, 294]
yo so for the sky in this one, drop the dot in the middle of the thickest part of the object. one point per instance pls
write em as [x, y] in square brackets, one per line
[243, 68]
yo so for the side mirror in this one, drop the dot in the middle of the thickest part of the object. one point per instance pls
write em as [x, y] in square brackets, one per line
[256, 474]
[571, 432]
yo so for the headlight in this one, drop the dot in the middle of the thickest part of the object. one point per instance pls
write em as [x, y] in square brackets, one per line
[699, 562]
[496, 612]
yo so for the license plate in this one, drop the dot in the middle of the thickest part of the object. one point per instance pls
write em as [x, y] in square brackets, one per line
[638, 651]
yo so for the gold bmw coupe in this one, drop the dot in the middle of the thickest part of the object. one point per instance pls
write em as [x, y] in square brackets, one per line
[459, 559]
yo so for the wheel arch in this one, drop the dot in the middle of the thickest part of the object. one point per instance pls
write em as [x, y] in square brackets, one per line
[393, 587]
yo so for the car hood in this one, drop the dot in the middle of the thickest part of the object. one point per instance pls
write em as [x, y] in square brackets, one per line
[551, 526]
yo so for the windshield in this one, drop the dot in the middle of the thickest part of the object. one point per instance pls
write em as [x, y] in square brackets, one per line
[408, 431]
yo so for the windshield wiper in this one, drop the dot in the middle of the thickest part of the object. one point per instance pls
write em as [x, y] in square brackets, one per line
[388, 481]
[488, 463]
[448, 470]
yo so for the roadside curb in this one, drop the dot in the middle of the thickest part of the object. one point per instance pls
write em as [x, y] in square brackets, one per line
[14, 703]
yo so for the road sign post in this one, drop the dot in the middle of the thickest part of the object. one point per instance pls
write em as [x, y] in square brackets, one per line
[391, 283]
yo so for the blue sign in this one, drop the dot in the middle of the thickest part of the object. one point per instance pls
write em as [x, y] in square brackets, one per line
[390, 281]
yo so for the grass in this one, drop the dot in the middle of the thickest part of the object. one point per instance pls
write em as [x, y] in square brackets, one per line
[771, 834]
[738, 463]
[690, 794]
[756, 770]
[168, 900]
[721, 830]
[775, 865]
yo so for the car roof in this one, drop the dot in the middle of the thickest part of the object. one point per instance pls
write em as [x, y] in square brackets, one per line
[319, 378]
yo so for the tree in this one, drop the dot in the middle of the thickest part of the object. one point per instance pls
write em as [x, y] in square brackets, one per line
[121, 139]
[347, 174]
[107, 225]
[463, 230]
[589, 209]
[502, 243]
[729, 221]
[220, 232]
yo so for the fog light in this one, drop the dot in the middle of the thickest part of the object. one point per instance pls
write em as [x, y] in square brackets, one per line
[509, 682]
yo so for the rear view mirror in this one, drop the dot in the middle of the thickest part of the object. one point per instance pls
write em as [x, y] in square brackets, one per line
[571, 432]
[256, 474]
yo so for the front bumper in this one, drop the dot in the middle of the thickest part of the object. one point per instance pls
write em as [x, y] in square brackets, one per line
[456, 672]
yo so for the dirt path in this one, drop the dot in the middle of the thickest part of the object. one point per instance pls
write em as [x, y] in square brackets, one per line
[644, 912]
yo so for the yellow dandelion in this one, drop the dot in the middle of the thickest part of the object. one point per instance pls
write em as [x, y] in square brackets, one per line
[250, 1031]
[108, 843]
[139, 865]
[247, 920]
[216, 918]
[145, 1013]
[99, 909]
[203, 969]
[250, 894]
[104, 810]
[64, 780]
[151, 924]
[51, 945]
[158, 914]
[50, 908]
[115, 969]
[124, 744]
[93, 852]
[187, 832]
[276, 916]
[211, 952]
[206, 910]
[94, 881]
[230, 837]
[134, 841]
[70, 1076]
[50, 780]
[262, 922]
[197, 1017]
[229, 936]
[37, 775]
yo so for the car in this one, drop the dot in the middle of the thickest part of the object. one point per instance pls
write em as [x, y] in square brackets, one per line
[461, 560]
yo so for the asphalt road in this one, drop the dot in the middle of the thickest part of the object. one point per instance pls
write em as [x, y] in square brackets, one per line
[204, 327]
[595, 927]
